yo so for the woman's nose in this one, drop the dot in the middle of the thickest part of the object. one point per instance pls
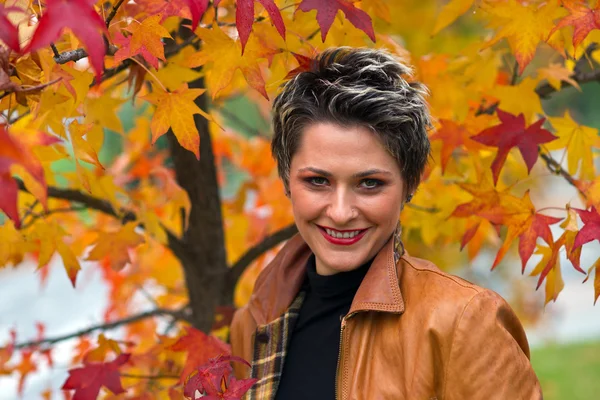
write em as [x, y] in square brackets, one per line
[341, 210]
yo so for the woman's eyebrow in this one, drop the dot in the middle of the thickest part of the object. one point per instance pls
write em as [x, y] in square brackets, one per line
[315, 170]
[369, 172]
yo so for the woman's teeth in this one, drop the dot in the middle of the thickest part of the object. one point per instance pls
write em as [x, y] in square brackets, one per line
[342, 235]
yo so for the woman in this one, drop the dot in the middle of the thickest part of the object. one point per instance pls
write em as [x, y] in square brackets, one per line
[342, 312]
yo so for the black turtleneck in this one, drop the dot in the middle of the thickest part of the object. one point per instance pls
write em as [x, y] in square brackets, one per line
[310, 364]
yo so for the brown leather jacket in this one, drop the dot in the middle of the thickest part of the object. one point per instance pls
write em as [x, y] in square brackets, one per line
[413, 332]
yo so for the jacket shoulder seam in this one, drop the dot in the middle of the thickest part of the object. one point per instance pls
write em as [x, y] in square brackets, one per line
[458, 281]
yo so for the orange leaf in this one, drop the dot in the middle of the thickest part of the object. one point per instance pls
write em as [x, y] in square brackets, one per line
[145, 40]
[582, 19]
[115, 246]
[175, 110]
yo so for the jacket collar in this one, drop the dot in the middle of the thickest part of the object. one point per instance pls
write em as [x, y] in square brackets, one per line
[279, 283]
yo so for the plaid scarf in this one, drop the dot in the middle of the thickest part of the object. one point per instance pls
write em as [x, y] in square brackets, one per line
[270, 347]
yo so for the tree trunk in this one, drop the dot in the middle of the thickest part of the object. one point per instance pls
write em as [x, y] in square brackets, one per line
[205, 262]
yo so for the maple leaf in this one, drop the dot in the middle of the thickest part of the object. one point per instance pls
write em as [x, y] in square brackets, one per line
[244, 18]
[595, 267]
[556, 73]
[524, 25]
[215, 382]
[579, 142]
[200, 349]
[224, 52]
[327, 10]
[591, 227]
[190, 9]
[9, 34]
[450, 12]
[549, 268]
[453, 136]
[25, 367]
[175, 110]
[512, 133]
[82, 19]
[581, 18]
[87, 380]
[145, 40]
[14, 151]
[115, 245]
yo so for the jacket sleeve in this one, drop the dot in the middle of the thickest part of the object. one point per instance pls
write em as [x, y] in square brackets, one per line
[489, 354]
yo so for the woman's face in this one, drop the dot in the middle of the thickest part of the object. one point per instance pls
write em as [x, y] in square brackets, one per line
[346, 192]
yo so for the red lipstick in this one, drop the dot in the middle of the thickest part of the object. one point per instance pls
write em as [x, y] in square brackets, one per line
[342, 241]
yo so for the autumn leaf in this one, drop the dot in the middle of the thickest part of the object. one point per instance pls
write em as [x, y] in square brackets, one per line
[327, 10]
[214, 380]
[591, 227]
[224, 54]
[450, 12]
[244, 18]
[579, 142]
[145, 40]
[548, 268]
[82, 19]
[596, 268]
[89, 379]
[191, 9]
[556, 74]
[13, 151]
[9, 34]
[581, 18]
[200, 349]
[115, 245]
[176, 110]
[512, 133]
[453, 136]
[25, 367]
[524, 25]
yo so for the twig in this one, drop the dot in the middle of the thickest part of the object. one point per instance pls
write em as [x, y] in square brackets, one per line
[35, 217]
[113, 12]
[55, 50]
[546, 89]
[585, 58]
[515, 74]
[431, 210]
[104, 327]
[94, 203]
[254, 252]
[556, 169]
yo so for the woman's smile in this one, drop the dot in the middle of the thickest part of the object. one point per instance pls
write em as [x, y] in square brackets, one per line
[342, 237]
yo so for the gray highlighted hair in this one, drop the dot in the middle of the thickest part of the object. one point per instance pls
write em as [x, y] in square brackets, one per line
[355, 86]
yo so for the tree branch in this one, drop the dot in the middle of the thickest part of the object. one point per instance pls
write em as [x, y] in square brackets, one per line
[254, 252]
[178, 314]
[556, 169]
[546, 89]
[113, 12]
[94, 203]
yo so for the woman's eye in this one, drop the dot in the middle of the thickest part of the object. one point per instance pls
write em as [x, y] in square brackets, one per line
[370, 183]
[317, 181]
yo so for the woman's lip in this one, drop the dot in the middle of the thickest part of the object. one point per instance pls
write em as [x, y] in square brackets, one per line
[343, 241]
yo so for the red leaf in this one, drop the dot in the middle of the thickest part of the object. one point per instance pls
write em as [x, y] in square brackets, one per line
[327, 10]
[9, 34]
[244, 18]
[583, 20]
[88, 380]
[214, 380]
[304, 64]
[512, 133]
[12, 151]
[197, 9]
[81, 17]
[200, 347]
[591, 227]
[538, 226]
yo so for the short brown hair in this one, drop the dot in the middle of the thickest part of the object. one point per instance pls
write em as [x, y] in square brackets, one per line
[355, 86]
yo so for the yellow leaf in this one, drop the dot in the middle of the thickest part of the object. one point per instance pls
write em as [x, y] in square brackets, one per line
[12, 244]
[153, 226]
[520, 98]
[579, 142]
[556, 74]
[223, 57]
[148, 34]
[524, 25]
[102, 111]
[176, 110]
[81, 148]
[115, 245]
[554, 280]
[450, 12]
